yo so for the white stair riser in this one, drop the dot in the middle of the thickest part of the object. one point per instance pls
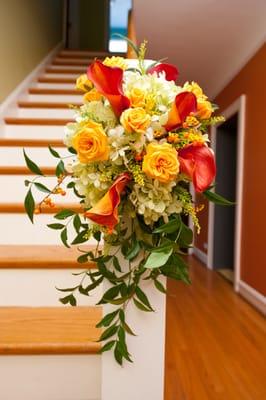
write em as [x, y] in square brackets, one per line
[37, 288]
[58, 76]
[15, 189]
[45, 85]
[19, 230]
[65, 377]
[40, 155]
[43, 113]
[66, 67]
[33, 131]
[54, 98]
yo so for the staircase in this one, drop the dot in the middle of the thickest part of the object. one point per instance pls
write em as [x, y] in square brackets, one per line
[47, 350]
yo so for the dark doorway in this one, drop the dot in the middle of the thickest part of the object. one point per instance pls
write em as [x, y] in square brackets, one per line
[224, 217]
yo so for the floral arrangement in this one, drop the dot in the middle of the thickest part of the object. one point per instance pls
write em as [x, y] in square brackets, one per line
[137, 143]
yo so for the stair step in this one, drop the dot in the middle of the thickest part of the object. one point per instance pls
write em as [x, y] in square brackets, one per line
[33, 131]
[73, 92]
[23, 170]
[87, 54]
[47, 113]
[8, 142]
[33, 104]
[49, 330]
[41, 257]
[11, 153]
[37, 121]
[59, 85]
[45, 79]
[66, 70]
[63, 98]
[18, 208]
[81, 62]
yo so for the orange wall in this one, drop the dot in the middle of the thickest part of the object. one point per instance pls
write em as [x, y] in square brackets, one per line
[251, 81]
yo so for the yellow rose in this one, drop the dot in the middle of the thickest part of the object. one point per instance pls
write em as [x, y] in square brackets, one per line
[91, 143]
[194, 88]
[204, 109]
[119, 62]
[83, 83]
[135, 120]
[137, 98]
[161, 162]
[92, 95]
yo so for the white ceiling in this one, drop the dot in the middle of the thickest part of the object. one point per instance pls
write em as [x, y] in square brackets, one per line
[208, 40]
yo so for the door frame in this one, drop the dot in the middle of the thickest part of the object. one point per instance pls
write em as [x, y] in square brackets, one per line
[237, 107]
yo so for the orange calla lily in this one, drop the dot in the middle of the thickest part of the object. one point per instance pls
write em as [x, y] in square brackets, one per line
[105, 212]
[170, 70]
[108, 82]
[197, 161]
[184, 104]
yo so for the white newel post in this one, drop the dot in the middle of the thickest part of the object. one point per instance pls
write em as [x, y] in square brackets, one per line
[144, 379]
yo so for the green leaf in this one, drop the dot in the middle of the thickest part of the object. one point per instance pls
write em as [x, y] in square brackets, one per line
[159, 286]
[128, 329]
[143, 298]
[26, 182]
[185, 235]
[70, 299]
[64, 214]
[56, 226]
[80, 238]
[77, 223]
[83, 259]
[170, 227]
[110, 294]
[60, 169]
[109, 332]
[106, 321]
[97, 235]
[116, 264]
[122, 316]
[53, 152]
[29, 205]
[140, 306]
[31, 165]
[72, 150]
[130, 43]
[64, 237]
[159, 256]
[108, 346]
[134, 249]
[217, 199]
[68, 289]
[118, 355]
[41, 187]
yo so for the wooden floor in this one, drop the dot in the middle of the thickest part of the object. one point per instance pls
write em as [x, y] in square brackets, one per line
[216, 342]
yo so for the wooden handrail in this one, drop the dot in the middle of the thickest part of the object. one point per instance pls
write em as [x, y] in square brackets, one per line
[131, 34]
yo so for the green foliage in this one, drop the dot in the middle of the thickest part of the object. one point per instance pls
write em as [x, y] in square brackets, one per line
[29, 204]
[217, 199]
[31, 165]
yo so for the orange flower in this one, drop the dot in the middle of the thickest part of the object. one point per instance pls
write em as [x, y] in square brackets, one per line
[184, 104]
[204, 109]
[91, 143]
[105, 212]
[92, 95]
[161, 162]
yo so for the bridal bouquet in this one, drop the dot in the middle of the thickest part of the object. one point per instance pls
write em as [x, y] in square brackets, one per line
[138, 142]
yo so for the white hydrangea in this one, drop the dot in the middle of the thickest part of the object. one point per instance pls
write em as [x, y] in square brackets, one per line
[155, 200]
[119, 143]
[98, 112]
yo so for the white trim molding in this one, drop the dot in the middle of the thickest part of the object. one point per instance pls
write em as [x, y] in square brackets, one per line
[239, 108]
[200, 255]
[253, 297]
[10, 102]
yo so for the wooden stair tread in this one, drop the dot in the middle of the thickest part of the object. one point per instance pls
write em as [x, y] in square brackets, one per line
[49, 330]
[37, 121]
[18, 208]
[23, 170]
[83, 62]
[7, 142]
[40, 104]
[54, 91]
[42, 257]
[44, 79]
[87, 54]
[69, 70]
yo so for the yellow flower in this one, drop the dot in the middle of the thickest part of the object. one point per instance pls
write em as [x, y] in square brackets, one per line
[194, 88]
[135, 120]
[92, 95]
[91, 143]
[204, 109]
[83, 83]
[161, 162]
[137, 97]
[119, 62]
